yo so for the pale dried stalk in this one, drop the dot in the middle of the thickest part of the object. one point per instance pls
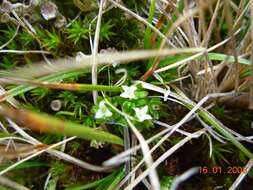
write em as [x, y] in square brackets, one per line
[211, 26]
[232, 45]
[149, 161]
[58, 154]
[242, 175]
[193, 56]
[33, 155]
[164, 156]
[23, 51]
[40, 69]
[186, 175]
[95, 49]
[251, 78]
[9, 183]
[11, 39]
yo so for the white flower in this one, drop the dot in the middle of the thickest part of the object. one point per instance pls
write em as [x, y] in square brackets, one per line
[103, 111]
[128, 92]
[97, 144]
[141, 113]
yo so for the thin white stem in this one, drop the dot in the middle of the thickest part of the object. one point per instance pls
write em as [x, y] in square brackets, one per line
[9, 183]
[109, 58]
[56, 153]
[12, 38]
[176, 182]
[95, 49]
[47, 181]
[193, 56]
[121, 157]
[23, 52]
[163, 157]
[151, 151]
[239, 179]
[148, 157]
[34, 155]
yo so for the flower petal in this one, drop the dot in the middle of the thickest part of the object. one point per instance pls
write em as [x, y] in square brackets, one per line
[141, 113]
[99, 114]
[101, 104]
[124, 95]
[146, 117]
[129, 92]
[108, 113]
[125, 88]
[102, 111]
[144, 109]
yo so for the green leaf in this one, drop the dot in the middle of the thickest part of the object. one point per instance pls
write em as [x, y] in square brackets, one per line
[128, 106]
[97, 183]
[228, 58]
[49, 124]
[25, 165]
[141, 94]
[50, 78]
[210, 56]
[147, 36]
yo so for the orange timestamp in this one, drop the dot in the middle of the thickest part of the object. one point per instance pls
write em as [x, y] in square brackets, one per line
[222, 170]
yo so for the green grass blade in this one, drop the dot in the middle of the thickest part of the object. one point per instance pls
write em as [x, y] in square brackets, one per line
[51, 78]
[26, 165]
[147, 35]
[210, 56]
[93, 184]
[90, 87]
[228, 58]
[49, 124]
[116, 180]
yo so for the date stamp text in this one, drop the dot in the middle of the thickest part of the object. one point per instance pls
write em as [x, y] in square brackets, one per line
[222, 170]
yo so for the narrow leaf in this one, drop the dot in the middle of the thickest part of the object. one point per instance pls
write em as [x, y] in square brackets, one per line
[49, 124]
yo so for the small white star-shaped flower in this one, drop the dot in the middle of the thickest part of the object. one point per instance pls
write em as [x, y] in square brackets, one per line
[142, 113]
[96, 144]
[103, 111]
[128, 92]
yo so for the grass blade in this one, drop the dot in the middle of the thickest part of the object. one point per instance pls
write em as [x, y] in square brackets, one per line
[49, 124]
[62, 86]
